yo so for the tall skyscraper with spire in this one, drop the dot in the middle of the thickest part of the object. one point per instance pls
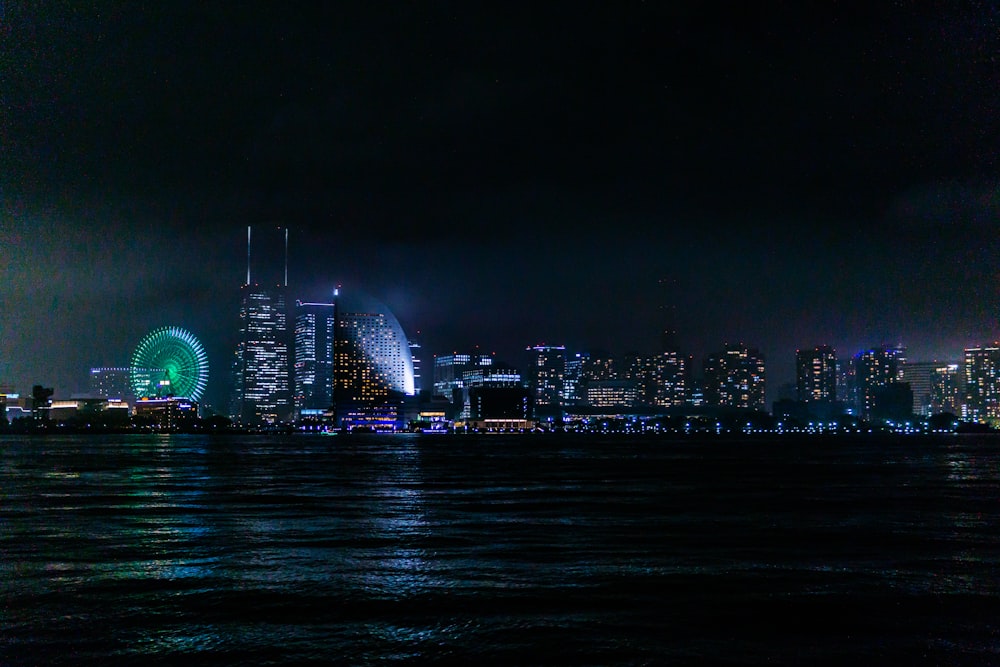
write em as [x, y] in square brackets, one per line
[261, 368]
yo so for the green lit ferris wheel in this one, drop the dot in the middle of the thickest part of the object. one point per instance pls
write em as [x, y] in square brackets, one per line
[169, 361]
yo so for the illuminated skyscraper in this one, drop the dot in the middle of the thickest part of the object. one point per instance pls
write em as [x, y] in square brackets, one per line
[982, 385]
[373, 369]
[847, 385]
[816, 374]
[659, 379]
[947, 389]
[313, 369]
[665, 383]
[919, 375]
[734, 378]
[875, 369]
[548, 368]
[592, 367]
[597, 367]
[261, 370]
[572, 392]
[449, 370]
[672, 388]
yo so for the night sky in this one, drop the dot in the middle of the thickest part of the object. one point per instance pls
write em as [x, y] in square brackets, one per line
[502, 175]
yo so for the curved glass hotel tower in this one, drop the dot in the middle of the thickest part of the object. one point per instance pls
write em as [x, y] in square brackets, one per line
[373, 367]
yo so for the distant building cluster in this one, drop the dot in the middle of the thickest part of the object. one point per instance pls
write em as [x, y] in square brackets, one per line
[874, 385]
[880, 384]
[346, 363]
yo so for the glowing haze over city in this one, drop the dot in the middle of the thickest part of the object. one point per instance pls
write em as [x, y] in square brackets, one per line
[502, 176]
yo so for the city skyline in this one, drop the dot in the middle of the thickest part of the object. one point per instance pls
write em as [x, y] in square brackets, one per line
[503, 177]
[520, 358]
[348, 363]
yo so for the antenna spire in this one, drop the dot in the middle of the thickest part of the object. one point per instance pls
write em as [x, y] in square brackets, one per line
[248, 254]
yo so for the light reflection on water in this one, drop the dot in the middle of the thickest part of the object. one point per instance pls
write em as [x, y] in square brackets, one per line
[523, 550]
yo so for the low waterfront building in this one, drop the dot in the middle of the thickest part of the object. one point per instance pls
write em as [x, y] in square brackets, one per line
[166, 413]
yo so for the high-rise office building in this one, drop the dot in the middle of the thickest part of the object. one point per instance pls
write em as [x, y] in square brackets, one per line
[261, 369]
[734, 378]
[598, 365]
[449, 370]
[947, 389]
[847, 385]
[919, 375]
[671, 373]
[982, 385]
[595, 366]
[611, 393]
[492, 375]
[572, 391]
[659, 379]
[112, 383]
[313, 369]
[874, 370]
[668, 368]
[478, 379]
[373, 369]
[816, 374]
[638, 371]
[548, 368]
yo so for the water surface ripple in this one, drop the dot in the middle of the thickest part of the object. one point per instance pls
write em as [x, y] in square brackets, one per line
[498, 550]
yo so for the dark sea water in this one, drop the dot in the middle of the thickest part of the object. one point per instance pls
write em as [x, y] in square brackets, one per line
[529, 550]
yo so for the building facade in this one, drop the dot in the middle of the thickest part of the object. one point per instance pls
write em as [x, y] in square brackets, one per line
[874, 370]
[919, 376]
[166, 413]
[816, 375]
[112, 383]
[262, 391]
[734, 378]
[572, 391]
[494, 376]
[982, 385]
[547, 374]
[312, 372]
[660, 380]
[617, 394]
[373, 369]
[449, 372]
[947, 389]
